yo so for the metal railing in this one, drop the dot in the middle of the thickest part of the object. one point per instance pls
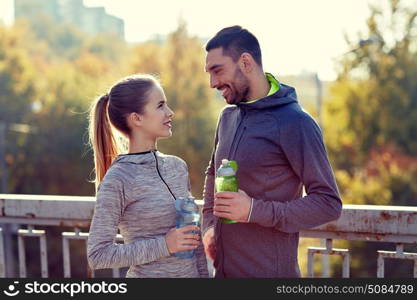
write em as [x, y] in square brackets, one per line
[394, 224]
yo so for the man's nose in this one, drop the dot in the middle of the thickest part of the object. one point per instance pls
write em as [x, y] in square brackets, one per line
[213, 82]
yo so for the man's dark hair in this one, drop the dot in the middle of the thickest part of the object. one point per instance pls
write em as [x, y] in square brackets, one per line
[234, 41]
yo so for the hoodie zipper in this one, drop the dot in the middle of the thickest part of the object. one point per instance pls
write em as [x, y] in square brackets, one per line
[236, 145]
[237, 137]
[160, 176]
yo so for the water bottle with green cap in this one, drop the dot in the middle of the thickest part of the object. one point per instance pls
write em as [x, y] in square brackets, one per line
[226, 181]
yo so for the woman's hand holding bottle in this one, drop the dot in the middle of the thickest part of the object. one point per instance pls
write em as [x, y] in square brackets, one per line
[181, 239]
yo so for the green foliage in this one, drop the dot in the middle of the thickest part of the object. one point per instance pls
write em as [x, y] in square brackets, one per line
[17, 78]
[373, 104]
[371, 122]
[375, 96]
[57, 146]
[49, 73]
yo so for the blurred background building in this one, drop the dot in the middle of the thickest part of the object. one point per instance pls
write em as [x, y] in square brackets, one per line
[91, 20]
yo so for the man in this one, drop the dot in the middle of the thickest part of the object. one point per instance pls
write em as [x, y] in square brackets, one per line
[279, 149]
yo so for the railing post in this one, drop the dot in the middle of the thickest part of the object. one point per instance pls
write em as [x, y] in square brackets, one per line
[346, 265]
[344, 253]
[77, 235]
[30, 232]
[44, 256]
[22, 255]
[325, 258]
[399, 248]
[380, 266]
[415, 269]
[2, 260]
[397, 254]
[66, 257]
[310, 263]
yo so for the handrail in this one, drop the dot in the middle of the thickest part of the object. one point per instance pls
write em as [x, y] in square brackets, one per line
[377, 221]
[395, 224]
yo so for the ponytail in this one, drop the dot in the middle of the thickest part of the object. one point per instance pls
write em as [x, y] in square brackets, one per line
[102, 140]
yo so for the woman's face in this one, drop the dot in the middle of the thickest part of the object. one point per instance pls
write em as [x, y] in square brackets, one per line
[157, 116]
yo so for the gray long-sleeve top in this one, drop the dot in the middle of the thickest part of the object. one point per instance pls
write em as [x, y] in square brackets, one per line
[137, 196]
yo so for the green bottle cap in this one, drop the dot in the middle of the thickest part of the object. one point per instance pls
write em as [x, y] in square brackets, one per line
[233, 164]
[226, 169]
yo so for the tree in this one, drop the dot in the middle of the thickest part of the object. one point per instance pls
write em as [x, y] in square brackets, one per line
[371, 120]
[16, 77]
[51, 94]
[376, 94]
[18, 92]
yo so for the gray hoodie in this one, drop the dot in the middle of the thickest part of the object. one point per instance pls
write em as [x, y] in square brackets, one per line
[279, 149]
[137, 197]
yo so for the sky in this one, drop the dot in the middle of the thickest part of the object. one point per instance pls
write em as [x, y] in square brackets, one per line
[295, 35]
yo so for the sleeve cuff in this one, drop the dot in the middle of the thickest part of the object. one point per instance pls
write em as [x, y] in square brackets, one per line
[250, 211]
[205, 230]
[163, 246]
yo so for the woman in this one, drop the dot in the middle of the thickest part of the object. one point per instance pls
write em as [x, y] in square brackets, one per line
[136, 191]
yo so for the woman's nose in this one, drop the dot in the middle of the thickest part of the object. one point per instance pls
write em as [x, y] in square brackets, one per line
[170, 112]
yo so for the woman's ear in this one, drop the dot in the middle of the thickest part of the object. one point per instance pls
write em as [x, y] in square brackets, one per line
[134, 119]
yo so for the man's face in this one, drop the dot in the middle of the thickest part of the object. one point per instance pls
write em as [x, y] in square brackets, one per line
[226, 76]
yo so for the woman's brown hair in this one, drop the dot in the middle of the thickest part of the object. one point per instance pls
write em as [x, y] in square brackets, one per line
[111, 110]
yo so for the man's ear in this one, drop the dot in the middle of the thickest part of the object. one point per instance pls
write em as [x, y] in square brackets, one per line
[246, 62]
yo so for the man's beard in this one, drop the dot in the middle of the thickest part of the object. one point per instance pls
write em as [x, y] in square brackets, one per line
[240, 88]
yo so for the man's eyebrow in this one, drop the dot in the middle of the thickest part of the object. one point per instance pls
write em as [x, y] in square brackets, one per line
[213, 67]
[161, 102]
